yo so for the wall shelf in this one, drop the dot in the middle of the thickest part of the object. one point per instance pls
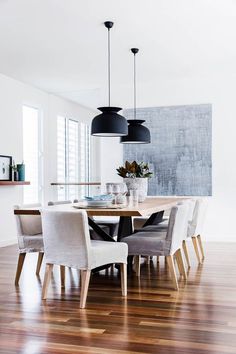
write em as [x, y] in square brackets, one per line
[76, 184]
[14, 183]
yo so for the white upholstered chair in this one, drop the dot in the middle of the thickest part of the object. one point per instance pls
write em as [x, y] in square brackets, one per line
[67, 242]
[166, 243]
[30, 238]
[195, 227]
[93, 234]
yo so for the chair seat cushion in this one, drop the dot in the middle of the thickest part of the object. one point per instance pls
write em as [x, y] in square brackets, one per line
[153, 228]
[147, 243]
[31, 243]
[105, 252]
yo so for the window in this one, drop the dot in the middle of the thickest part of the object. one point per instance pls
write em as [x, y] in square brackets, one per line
[73, 157]
[31, 154]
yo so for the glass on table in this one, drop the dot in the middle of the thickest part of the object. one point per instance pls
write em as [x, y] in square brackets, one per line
[133, 198]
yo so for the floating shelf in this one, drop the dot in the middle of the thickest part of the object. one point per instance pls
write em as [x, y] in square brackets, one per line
[76, 184]
[14, 183]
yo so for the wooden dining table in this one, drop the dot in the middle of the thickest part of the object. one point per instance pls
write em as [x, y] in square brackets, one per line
[153, 208]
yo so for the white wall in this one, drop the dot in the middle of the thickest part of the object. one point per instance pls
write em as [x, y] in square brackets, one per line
[220, 91]
[13, 94]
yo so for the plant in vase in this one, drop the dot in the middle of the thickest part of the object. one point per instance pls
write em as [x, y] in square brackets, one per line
[136, 176]
[14, 172]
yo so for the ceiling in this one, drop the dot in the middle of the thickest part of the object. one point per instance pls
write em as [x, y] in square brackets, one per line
[60, 46]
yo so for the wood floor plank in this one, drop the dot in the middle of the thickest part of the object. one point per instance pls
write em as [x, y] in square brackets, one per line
[199, 319]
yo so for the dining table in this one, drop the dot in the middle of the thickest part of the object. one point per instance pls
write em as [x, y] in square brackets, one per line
[152, 208]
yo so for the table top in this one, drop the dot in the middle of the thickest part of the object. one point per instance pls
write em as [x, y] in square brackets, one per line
[150, 206]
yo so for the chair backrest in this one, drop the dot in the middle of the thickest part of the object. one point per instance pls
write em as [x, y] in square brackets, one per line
[178, 225]
[59, 202]
[28, 225]
[66, 238]
[192, 204]
[199, 215]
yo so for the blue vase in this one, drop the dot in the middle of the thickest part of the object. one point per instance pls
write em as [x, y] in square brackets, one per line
[21, 172]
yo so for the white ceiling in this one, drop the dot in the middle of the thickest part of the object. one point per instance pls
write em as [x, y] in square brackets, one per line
[60, 45]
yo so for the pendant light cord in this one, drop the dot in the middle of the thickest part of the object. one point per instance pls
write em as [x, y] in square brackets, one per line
[134, 87]
[109, 69]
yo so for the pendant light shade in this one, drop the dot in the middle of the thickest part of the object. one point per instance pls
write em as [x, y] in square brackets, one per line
[137, 133]
[109, 122]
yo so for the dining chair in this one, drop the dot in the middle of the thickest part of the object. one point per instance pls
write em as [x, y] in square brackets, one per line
[195, 228]
[164, 226]
[68, 243]
[166, 243]
[93, 234]
[30, 238]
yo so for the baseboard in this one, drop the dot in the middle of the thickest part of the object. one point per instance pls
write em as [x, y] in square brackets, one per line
[9, 242]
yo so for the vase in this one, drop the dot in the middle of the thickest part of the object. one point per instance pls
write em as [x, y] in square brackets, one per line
[138, 183]
[21, 172]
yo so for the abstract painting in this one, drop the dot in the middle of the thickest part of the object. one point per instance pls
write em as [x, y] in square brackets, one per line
[180, 150]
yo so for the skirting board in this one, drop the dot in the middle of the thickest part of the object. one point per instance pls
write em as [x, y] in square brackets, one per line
[9, 242]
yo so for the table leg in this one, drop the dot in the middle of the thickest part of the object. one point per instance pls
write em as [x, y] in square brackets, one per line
[99, 231]
[125, 227]
[155, 218]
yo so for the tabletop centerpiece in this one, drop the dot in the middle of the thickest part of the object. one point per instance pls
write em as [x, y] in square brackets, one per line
[135, 176]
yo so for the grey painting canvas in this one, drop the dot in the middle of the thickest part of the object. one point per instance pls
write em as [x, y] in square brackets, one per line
[180, 150]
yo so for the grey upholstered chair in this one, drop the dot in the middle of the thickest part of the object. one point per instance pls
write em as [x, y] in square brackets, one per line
[195, 227]
[164, 226]
[30, 238]
[67, 242]
[166, 243]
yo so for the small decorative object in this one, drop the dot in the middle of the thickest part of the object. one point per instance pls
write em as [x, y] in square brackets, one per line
[5, 168]
[136, 177]
[119, 190]
[15, 176]
[21, 171]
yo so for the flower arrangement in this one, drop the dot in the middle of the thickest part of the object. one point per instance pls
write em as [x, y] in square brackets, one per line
[134, 170]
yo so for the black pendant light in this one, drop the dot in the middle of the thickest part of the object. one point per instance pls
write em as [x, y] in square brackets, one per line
[109, 122]
[137, 133]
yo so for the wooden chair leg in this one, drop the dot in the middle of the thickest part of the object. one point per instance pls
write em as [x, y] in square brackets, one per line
[62, 273]
[194, 239]
[39, 263]
[201, 246]
[171, 266]
[46, 281]
[185, 249]
[85, 277]
[180, 263]
[20, 263]
[123, 274]
[137, 261]
[148, 258]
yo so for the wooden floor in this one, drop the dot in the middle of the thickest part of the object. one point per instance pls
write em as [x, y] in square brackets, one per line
[200, 318]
